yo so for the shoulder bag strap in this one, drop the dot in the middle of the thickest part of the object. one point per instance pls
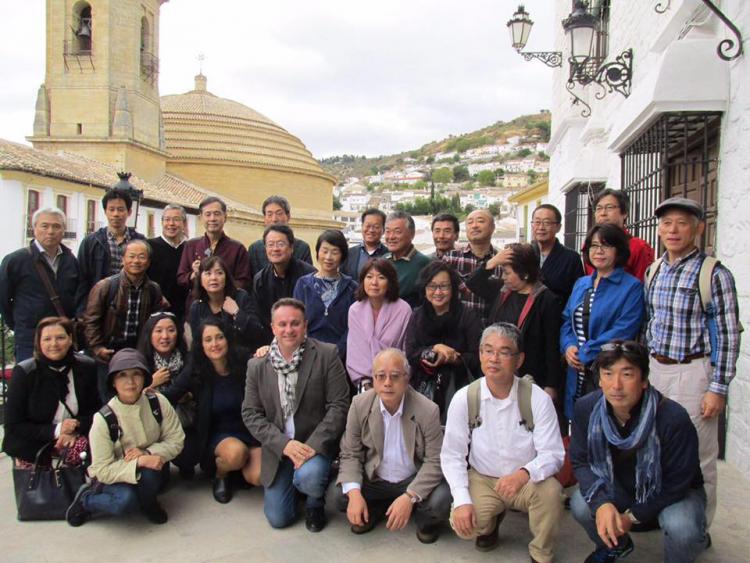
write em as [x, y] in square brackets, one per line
[525, 388]
[54, 297]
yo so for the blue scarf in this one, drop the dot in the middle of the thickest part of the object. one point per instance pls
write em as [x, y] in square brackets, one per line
[603, 432]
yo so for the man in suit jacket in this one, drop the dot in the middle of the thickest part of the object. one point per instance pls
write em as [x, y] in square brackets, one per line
[390, 455]
[296, 398]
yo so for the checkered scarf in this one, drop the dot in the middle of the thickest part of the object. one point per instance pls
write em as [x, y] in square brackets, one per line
[285, 369]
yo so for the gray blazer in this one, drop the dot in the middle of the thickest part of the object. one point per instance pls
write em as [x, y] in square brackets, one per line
[322, 400]
[362, 444]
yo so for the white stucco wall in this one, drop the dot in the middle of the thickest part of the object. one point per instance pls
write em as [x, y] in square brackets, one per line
[667, 77]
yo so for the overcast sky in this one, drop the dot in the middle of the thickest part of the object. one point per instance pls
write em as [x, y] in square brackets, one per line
[344, 76]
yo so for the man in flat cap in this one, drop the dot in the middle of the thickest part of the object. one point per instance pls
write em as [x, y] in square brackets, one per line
[693, 329]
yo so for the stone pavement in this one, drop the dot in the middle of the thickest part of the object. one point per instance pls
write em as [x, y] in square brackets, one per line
[200, 529]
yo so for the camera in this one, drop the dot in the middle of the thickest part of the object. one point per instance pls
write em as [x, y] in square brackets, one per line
[430, 356]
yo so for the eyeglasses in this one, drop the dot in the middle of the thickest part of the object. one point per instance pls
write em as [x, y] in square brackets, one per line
[394, 377]
[600, 247]
[544, 223]
[277, 244]
[502, 353]
[435, 287]
[172, 220]
[609, 207]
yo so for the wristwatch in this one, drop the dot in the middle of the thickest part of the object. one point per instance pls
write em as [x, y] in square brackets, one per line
[414, 498]
[632, 517]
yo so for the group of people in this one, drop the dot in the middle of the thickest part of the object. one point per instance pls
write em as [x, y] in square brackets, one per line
[402, 372]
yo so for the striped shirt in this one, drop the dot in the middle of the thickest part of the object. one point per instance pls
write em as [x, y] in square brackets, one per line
[677, 324]
[465, 262]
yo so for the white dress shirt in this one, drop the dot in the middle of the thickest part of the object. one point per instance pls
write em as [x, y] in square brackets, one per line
[501, 445]
[396, 464]
[72, 403]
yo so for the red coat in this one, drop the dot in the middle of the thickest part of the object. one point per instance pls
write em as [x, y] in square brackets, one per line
[641, 257]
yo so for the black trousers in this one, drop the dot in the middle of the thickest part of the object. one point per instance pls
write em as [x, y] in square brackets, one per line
[378, 494]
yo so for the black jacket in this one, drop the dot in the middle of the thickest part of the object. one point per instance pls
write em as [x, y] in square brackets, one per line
[33, 400]
[268, 288]
[24, 301]
[165, 260]
[560, 270]
[246, 325]
[93, 261]
[259, 260]
[540, 330]
[351, 266]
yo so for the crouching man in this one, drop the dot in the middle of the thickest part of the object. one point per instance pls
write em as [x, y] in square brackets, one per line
[635, 455]
[390, 455]
[513, 457]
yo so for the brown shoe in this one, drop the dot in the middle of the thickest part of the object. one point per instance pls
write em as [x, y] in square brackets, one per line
[488, 542]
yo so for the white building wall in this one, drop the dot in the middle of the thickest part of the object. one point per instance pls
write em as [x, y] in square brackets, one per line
[586, 149]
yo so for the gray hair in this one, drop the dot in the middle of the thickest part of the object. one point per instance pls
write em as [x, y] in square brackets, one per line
[178, 208]
[395, 215]
[279, 200]
[503, 330]
[142, 242]
[395, 352]
[48, 211]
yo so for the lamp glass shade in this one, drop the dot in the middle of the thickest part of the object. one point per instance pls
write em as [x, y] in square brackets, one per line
[581, 27]
[520, 28]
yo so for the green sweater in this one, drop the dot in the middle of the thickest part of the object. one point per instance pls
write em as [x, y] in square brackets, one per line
[139, 429]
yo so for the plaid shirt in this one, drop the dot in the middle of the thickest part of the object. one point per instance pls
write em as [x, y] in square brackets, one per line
[465, 262]
[130, 331]
[677, 323]
[116, 251]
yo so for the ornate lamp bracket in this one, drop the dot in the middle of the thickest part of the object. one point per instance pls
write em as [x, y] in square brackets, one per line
[550, 58]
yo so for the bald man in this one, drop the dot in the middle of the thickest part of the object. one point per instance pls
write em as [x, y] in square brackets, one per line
[480, 225]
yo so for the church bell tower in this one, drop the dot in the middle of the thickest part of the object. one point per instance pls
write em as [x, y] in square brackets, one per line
[100, 96]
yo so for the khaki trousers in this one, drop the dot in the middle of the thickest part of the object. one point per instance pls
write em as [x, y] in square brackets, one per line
[686, 384]
[542, 501]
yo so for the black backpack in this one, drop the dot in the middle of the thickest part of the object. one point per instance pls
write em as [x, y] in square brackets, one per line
[111, 418]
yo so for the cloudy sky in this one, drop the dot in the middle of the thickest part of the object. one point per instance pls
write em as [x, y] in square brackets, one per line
[345, 76]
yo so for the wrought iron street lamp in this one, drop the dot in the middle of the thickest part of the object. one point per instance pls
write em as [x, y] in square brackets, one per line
[135, 194]
[519, 27]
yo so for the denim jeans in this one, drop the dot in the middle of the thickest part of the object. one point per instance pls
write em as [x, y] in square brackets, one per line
[280, 499]
[120, 498]
[683, 524]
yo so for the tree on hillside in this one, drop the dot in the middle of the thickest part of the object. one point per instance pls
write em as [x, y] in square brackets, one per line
[523, 153]
[430, 159]
[442, 175]
[532, 176]
[374, 170]
[336, 203]
[419, 185]
[460, 173]
[494, 209]
[486, 178]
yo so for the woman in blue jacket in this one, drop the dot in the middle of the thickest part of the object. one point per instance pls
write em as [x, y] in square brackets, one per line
[327, 293]
[604, 306]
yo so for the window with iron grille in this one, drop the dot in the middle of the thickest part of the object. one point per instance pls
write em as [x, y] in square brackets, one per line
[677, 156]
[578, 215]
[90, 216]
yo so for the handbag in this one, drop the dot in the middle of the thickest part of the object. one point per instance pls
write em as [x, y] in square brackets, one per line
[45, 493]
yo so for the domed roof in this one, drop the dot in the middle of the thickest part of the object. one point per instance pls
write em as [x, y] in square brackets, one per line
[199, 126]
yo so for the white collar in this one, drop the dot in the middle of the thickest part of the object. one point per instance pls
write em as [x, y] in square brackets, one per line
[399, 412]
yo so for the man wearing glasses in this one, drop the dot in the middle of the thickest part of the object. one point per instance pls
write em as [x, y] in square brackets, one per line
[373, 226]
[277, 279]
[611, 207]
[510, 465]
[166, 252]
[390, 455]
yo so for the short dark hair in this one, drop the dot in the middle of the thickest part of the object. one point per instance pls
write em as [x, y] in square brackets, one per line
[616, 350]
[433, 269]
[385, 268]
[288, 302]
[285, 230]
[335, 238]
[549, 206]
[613, 236]
[212, 199]
[116, 193]
[444, 217]
[622, 199]
[144, 342]
[230, 287]
[64, 322]
[279, 200]
[524, 261]
[373, 211]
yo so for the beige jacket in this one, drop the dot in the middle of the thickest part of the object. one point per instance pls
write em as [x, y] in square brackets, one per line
[139, 429]
[362, 444]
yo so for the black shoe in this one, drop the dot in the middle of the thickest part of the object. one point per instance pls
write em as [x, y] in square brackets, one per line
[377, 513]
[488, 542]
[222, 491]
[428, 534]
[708, 540]
[77, 515]
[315, 519]
[606, 555]
[187, 473]
[155, 513]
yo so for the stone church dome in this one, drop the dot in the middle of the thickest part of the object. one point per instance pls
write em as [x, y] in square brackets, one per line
[199, 126]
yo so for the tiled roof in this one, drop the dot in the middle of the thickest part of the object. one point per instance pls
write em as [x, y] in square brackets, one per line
[82, 170]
